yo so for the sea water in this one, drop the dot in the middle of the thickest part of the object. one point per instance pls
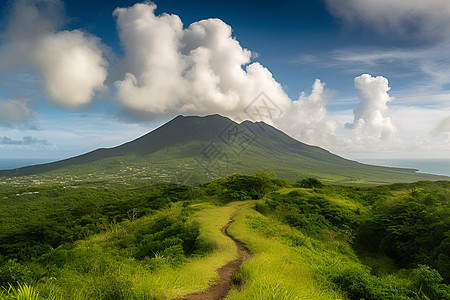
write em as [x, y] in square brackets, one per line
[435, 166]
[12, 163]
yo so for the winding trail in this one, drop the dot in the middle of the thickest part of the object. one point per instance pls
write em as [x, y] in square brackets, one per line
[220, 289]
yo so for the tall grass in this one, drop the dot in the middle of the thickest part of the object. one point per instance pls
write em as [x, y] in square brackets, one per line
[276, 270]
[98, 269]
[200, 272]
[21, 292]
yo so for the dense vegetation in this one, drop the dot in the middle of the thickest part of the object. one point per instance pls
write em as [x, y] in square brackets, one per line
[383, 242]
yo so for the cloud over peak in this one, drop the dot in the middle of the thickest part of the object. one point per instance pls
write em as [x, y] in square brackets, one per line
[200, 69]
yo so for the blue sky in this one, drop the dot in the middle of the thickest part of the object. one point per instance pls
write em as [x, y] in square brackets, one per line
[364, 79]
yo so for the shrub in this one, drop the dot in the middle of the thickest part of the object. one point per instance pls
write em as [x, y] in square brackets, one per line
[309, 183]
[427, 282]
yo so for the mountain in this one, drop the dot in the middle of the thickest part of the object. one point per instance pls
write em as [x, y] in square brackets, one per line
[195, 149]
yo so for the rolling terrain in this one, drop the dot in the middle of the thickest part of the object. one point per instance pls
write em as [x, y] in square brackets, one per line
[241, 237]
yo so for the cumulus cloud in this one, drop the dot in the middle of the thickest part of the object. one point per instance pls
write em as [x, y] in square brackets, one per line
[402, 17]
[201, 69]
[27, 22]
[70, 63]
[307, 119]
[369, 124]
[14, 111]
[72, 67]
[25, 141]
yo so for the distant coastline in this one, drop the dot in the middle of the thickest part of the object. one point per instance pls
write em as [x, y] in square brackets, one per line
[429, 166]
[12, 163]
[436, 166]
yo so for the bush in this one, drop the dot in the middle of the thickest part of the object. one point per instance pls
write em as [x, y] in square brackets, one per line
[358, 283]
[12, 272]
[243, 187]
[309, 183]
[167, 232]
[427, 282]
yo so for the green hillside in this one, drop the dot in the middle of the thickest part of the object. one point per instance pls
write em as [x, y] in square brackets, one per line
[168, 241]
[197, 149]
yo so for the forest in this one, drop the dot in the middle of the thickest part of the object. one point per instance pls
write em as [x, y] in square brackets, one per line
[307, 240]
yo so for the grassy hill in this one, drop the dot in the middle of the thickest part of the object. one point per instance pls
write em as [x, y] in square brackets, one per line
[167, 241]
[197, 149]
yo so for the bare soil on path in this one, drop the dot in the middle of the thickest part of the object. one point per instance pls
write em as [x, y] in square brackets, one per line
[220, 289]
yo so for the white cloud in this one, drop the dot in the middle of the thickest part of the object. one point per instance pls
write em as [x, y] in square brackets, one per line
[201, 69]
[71, 63]
[27, 22]
[370, 125]
[14, 111]
[307, 119]
[426, 19]
[443, 127]
[72, 67]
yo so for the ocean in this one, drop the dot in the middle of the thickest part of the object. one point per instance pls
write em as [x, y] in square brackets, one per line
[430, 166]
[12, 163]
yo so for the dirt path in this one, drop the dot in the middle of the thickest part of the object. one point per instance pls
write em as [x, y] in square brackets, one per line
[223, 285]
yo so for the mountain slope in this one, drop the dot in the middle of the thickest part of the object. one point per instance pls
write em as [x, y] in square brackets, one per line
[201, 148]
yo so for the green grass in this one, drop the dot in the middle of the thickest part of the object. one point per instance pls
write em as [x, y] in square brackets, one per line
[97, 269]
[306, 243]
[276, 269]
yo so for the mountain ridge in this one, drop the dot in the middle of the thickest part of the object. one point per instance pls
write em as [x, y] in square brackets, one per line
[219, 146]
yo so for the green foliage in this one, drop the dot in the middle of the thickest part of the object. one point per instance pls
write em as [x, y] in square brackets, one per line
[50, 217]
[358, 283]
[244, 187]
[22, 292]
[309, 183]
[171, 238]
[93, 242]
[410, 231]
[428, 283]
[407, 222]
[12, 271]
[312, 212]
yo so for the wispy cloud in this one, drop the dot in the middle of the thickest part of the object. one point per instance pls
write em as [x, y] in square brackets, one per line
[421, 29]
[25, 141]
[432, 61]
[396, 19]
